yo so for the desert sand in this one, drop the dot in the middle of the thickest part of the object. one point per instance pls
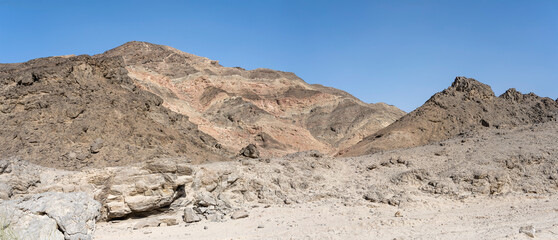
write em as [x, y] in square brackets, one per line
[430, 218]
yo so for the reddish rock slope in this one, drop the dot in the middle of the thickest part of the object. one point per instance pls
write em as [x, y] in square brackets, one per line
[275, 110]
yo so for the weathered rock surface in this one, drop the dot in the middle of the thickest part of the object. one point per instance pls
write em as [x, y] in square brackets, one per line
[123, 191]
[277, 111]
[98, 114]
[52, 215]
[465, 107]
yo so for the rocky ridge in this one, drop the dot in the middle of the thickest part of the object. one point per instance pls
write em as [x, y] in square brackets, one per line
[467, 106]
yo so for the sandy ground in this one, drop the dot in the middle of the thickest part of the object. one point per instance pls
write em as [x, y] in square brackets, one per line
[474, 218]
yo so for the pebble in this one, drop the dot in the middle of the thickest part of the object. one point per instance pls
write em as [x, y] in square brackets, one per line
[528, 230]
[239, 214]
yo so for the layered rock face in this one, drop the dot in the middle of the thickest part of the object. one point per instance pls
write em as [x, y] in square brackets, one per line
[132, 190]
[276, 111]
[465, 107]
[75, 112]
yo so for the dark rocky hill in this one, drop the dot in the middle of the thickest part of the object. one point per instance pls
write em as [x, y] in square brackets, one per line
[74, 112]
[465, 107]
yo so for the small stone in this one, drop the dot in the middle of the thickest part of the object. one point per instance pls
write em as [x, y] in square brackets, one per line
[205, 199]
[81, 156]
[205, 227]
[239, 214]
[484, 123]
[398, 214]
[372, 167]
[215, 217]
[146, 223]
[232, 178]
[168, 221]
[184, 169]
[287, 201]
[528, 230]
[5, 191]
[27, 79]
[190, 216]
[96, 145]
[5, 166]
[261, 226]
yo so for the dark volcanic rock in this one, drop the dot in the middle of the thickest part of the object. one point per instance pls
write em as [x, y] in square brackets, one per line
[467, 106]
[250, 151]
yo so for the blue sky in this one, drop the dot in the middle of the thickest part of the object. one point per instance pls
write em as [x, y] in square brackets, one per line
[398, 52]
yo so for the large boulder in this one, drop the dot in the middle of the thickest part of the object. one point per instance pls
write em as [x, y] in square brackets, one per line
[51, 215]
[122, 191]
[143, 189]
[250, 151]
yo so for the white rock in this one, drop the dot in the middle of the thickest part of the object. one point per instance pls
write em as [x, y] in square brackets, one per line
[239, 214]
[190, 215]
[43, 214]
[528, 230]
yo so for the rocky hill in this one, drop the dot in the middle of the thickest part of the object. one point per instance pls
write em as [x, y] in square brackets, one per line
[465, 107]
[75, 112]
[277, 111]
[140, 101]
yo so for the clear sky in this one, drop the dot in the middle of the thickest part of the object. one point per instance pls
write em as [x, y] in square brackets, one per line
[398, 52]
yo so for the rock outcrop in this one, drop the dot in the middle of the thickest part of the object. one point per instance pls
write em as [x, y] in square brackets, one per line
[465, 107]
[51, 215]
[135, 190]
[142, 190]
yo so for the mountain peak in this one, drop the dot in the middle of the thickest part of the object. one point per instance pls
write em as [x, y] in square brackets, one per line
[135, 46]
[512, 94]
[472, 87]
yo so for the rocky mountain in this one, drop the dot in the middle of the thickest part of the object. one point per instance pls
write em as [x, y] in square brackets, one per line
[140, 101]
[465, 107]
[80, 111]
[277, 111]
